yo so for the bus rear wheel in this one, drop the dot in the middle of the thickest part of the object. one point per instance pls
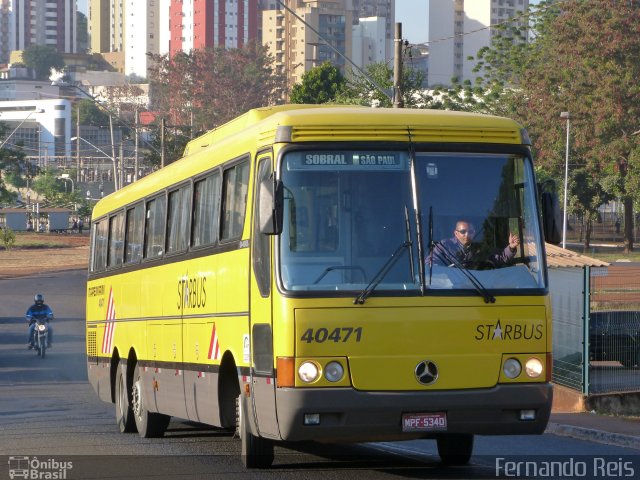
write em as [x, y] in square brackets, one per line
[124, 413]
[149, 424]
[257, 452]
[455, 448]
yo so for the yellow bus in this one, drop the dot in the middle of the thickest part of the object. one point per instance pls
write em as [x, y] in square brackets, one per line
[292, 278]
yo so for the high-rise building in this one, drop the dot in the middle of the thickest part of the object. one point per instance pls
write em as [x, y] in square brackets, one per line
[382, 9]
[296, 47]
[195, 24]
[37, 22]
[124, 31]
[458, 29]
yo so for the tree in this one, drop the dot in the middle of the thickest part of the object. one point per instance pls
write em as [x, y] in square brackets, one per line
[41, 59]
[361, 91]
[90, 114]
[584, 58]
[319, 85]
[12, 166]
[208, 87]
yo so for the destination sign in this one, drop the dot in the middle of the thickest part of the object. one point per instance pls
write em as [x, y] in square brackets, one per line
[346, 160]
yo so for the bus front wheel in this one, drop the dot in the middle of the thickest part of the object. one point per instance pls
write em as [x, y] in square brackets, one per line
[149, 424]
[455, 448]
[257, 452]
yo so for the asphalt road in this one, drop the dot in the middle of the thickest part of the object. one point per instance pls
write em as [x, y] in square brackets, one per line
[50, 419]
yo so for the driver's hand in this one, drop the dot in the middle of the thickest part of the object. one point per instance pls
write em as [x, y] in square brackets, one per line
[514, 241]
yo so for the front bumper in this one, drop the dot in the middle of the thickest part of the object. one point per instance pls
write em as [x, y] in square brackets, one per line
[347, 415]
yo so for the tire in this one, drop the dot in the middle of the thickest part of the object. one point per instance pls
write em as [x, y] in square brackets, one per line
[257, 452]
[124, 412]
[43, 349]
[149, 424]
[455, 448]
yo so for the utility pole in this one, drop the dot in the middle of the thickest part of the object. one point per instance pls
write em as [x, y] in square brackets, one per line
[397, 67]
[135, 173]
[162, 142]
[78, 145]
[113, 155]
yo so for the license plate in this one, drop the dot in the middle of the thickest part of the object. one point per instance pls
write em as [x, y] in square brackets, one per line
[421, 422]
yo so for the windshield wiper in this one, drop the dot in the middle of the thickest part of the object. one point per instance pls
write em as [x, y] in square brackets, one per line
[447, 258]
[379, 276]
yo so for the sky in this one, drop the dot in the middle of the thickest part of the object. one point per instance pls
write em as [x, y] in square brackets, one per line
[414, 17]
[411, 13]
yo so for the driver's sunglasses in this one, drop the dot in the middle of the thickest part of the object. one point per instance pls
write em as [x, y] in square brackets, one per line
[464, 231]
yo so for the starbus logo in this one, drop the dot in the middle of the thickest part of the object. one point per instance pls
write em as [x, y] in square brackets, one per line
[34, 468]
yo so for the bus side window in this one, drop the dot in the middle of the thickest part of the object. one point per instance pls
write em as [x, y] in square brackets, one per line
[235, 183]
[154, 228]
[134, 234]
[116, 240]
[178, 219]
[206, 201]
[100, 246]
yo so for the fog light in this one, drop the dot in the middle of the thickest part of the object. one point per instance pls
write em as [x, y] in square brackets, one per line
[333, 372]
[527, 415]
[533, 367]
[312, 419]
[512, 368]
[308, 372]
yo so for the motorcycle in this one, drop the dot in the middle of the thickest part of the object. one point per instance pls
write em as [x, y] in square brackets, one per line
[41, 336]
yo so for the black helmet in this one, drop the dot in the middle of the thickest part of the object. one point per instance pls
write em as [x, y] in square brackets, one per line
[39, 299]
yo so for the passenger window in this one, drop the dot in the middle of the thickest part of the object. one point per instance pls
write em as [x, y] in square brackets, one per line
[101, 233]
[234, 200]
[178, 220]
[134, 234]
[116, 240]
[154, 229]
[206, 201]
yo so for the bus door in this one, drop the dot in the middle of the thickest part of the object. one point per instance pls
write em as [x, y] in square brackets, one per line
[260, 317]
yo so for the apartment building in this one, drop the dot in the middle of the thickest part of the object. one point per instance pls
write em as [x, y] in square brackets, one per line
[383, 10]
[196, 24]
[459, 28]
[124, 31]
[37, 22]
[296, 47]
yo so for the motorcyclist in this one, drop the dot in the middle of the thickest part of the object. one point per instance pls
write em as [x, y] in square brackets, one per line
[39, 310]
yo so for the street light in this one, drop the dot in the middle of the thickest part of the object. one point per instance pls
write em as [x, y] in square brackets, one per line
[65, 176]
[115, 171]
[37, 110]
[567, 116]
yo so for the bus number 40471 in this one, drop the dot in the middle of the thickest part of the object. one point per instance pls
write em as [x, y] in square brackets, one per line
[336, 335]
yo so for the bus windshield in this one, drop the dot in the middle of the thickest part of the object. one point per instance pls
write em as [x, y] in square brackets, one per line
[350, 219]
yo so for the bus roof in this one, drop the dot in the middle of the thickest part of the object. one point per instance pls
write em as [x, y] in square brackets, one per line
[318, 123]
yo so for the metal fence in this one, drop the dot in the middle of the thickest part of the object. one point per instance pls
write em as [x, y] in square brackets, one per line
[614, 329]
[596, 316]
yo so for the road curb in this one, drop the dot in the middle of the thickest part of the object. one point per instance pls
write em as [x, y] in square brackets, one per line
[591, 434]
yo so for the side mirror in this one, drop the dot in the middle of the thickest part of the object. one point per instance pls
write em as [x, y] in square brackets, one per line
[271, 206]
[551, 221]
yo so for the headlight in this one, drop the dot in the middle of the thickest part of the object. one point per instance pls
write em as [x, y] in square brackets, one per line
[308, 372]
[512, 368]
[42, 327]
[533, 367]
[333, 372]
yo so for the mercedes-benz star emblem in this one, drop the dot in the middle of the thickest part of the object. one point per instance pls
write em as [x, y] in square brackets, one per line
[426, 372]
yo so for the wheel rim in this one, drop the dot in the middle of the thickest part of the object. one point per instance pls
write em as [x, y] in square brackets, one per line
[136, 399]
[121, 396]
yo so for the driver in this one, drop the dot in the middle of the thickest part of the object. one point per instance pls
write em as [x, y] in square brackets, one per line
[462, 248]
[39, 310]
